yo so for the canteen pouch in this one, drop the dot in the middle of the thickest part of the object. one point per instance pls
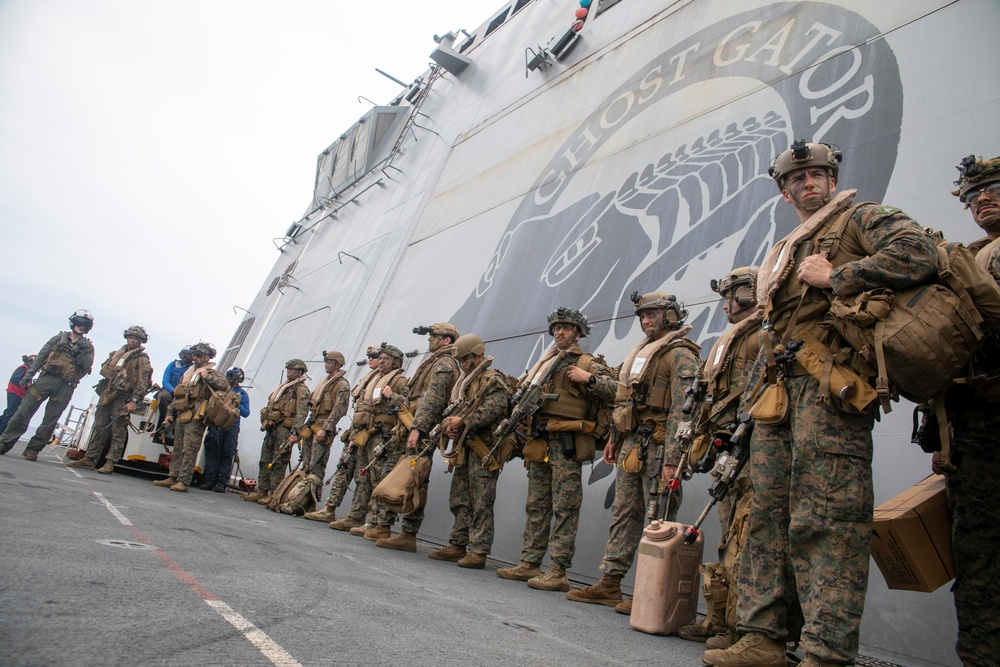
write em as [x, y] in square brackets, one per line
[536, 450]
[772, 406]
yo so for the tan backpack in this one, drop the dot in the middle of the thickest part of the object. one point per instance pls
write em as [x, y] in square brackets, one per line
[919, 340]
[222, 409]
[302, 497]
[402, 489]
[279, 495]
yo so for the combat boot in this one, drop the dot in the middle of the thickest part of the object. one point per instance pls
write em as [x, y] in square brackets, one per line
[625, 607]
[403, 542]
[179, 486]
[377, 533]
[607, 591]
[206, 486]
[473, 561]
[326, 515]
[254, 497]
[813, 661]
[720, 640]
[345, 524]
[265, 500]
[168, 482]
[107, 468]
[85, 462]
[30, 454]
[451, 552]
[554, 579]
[753, 650]
[700, 632]
[361, 530]
[523, 571]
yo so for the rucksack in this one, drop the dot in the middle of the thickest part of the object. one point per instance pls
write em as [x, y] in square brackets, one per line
[281, 494]
[919, 340]
[222, 409]
[401, 491]
[302, 497]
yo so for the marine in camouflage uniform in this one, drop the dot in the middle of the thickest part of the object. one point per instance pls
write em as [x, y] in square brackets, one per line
[283, 419]
[974, 412]
[811, 515]
[482, 400]
[347, 466]
[428, 391]
[724, 377]
[63, 361]
[127, 375]
[382, 449]
[652, 384]
[329, 402]
[563, 439]
[187, 412]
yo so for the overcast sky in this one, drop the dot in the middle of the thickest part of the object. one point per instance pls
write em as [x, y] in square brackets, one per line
[151, 150]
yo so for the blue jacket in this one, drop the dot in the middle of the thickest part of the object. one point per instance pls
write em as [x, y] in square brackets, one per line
[172, 374]
[244, 402]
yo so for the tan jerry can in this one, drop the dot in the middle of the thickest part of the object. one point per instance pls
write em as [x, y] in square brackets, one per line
[666, 579]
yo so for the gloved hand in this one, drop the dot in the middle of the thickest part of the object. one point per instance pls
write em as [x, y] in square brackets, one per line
[25, 381]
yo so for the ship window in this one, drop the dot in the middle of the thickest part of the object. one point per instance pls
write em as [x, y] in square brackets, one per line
[497, 22]
[519, 5]
[604, 5]
[229, 356]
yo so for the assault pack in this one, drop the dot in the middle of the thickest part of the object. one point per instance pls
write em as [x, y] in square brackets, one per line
[297, 494]
[918, 341]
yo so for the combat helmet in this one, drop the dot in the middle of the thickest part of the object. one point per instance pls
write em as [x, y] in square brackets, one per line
[82, 318]
[974, 174]
[372, 352]
[802, 155]
[439, 329]
[203, 348]
[392, 351]
[569, 316]
[333, 355]
[296, 365]
[235, 373]
[469, 344]
[676, 313]
[138, 332]
[742, 282]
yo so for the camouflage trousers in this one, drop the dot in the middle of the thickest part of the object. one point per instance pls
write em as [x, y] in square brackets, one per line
[341, 482]
[974, 498]
[315, 456]
[628, 511]
[110, 426]
[361, 502]
[268, 478]
[555, 490]
[48, 387]
[810, 525]
[473, 492]
[187, 443]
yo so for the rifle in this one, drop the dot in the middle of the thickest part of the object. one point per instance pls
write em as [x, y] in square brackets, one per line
[727, 468]
[526, 402]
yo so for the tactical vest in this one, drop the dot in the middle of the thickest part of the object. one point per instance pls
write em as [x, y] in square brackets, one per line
[655, 397]
[328, 400]
[125, 378]
[421, 379]
[187, 397]
[815, 304]
[287, 404]
[573, 400]
[61, 360]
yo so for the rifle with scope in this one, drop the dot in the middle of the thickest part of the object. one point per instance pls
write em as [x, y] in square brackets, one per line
[526, 403]
[727, 469]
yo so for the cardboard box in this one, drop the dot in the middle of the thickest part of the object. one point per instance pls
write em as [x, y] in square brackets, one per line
[911, 541]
